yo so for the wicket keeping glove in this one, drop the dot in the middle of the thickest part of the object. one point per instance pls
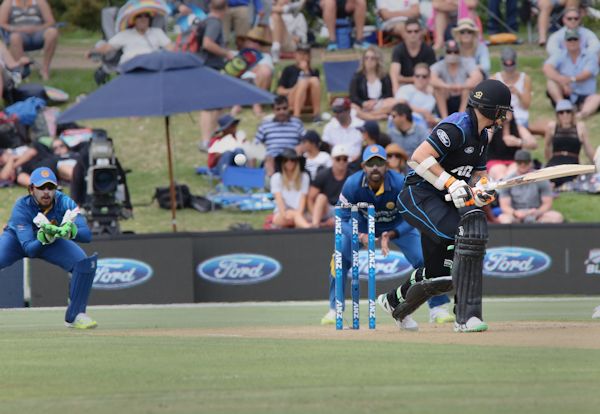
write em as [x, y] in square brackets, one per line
[44, 237]
[67, 231]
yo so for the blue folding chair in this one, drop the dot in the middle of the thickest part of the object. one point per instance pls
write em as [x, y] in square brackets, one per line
[246, 178]
[338, 74]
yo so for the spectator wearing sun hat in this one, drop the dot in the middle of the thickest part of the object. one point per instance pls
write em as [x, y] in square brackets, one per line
[219, 159]
[452, 79]
[466, 34]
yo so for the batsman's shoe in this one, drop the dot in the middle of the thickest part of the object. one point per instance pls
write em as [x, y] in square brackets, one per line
[596, 314]
[440, 314]
[474, 324]
[329, 318]
[82, 321]
[406, 324]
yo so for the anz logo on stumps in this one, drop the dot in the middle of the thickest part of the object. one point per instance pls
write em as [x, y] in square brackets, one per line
[390, 267]
[514, 262]
[119, 273]
[239, 269]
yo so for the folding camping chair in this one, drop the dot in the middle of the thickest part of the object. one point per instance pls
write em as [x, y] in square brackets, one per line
[243, 188]
[339, 70]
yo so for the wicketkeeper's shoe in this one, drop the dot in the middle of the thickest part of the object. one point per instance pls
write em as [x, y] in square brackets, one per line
[329, 318]
[82, 321]
[406, 324]
[440, 314]
[596, 314]
[474, 324]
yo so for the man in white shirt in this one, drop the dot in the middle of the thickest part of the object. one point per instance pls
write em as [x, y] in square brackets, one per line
[342, 130]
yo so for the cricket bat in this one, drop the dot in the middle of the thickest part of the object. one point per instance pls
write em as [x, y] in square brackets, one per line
[543, 174]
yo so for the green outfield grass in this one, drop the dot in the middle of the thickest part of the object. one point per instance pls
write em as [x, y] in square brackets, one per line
[127, 366]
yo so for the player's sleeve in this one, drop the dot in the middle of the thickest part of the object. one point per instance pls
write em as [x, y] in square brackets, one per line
[446, 138]
[22, 221]
[348, 195]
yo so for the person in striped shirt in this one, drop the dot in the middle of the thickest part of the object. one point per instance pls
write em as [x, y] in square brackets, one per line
[281, 132]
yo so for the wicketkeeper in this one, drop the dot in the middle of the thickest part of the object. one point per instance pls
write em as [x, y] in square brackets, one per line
[454, 234]
[46, 224]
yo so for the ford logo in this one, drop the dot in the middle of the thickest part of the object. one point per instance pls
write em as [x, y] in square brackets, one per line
[515, 262]
[118, 273]
[239, 269]
[390, 267]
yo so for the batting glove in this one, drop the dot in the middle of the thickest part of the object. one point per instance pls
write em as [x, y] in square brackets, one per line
[461, 193]
[482, 197]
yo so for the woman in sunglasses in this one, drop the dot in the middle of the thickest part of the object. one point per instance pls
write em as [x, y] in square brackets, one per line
[466, 34]
[564, 138]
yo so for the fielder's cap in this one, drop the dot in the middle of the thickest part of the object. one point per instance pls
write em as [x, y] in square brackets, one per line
[311, 136]
[508, 57]
[225, 121]
[41, 176]
[522, 155]
[564, 105]
[571, 34]
[340, 105]
[371, 128]
[374, 151]
[339, 150]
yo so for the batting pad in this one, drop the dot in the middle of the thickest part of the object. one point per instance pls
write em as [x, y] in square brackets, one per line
[467, 269]
[80, 287]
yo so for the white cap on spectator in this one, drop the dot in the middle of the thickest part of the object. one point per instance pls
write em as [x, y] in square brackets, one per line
[339, 150]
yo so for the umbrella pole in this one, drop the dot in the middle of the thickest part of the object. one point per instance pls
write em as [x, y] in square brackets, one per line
[171, 179]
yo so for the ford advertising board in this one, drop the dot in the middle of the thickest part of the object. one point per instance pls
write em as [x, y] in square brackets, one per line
[239, 269]
[514, 262]
[121, 273]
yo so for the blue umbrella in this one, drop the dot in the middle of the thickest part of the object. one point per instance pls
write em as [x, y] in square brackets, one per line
[163, 84]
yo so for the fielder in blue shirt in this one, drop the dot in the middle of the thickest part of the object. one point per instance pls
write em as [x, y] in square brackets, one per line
[376, 184]
[46, 224]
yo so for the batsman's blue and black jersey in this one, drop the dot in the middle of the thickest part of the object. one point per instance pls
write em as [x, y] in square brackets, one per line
[356, 190]
[462, 151]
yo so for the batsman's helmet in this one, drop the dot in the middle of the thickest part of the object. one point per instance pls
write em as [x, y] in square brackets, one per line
[492, 98]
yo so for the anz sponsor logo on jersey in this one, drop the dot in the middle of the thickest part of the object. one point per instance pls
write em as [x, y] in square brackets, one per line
[592, 264]
[117, 273]
[443, 137]
[514, 262]
[469, 150]
[463, 171]
[239, 269]
[390, 267]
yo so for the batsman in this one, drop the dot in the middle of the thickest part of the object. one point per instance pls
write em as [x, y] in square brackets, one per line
[46, 224]
[453, 233]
